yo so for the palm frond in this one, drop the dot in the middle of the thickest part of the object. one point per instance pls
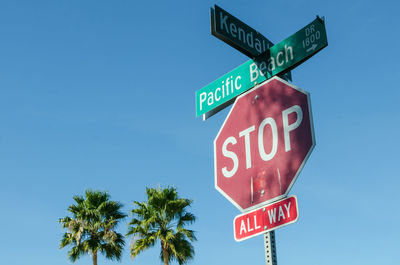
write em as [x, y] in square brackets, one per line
[76, 252]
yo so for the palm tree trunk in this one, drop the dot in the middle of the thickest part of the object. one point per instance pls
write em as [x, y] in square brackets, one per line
[165, 253]
[94, 257]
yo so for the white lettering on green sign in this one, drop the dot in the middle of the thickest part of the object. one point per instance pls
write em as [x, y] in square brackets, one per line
[240, 34]
[228, 87]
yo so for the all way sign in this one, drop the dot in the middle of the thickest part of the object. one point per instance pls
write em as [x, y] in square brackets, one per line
[280, 58]
[267, 218]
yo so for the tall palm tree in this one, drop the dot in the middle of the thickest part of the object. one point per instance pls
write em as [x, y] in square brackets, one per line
[91, 229]
[163, 217]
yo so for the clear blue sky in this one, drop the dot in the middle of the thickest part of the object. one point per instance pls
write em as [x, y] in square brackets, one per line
[100, 94]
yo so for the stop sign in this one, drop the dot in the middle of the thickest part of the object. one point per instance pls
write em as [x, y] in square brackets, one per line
[263, 144]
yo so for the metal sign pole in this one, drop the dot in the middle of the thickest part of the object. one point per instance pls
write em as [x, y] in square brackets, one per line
[270, 248]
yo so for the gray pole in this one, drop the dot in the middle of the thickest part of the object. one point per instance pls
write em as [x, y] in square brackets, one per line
[270, 248]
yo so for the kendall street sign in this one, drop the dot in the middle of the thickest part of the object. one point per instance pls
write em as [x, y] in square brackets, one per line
[280, 58]
[265, 219]
[237, 34]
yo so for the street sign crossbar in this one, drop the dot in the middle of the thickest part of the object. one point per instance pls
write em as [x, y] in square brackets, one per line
[280, 58]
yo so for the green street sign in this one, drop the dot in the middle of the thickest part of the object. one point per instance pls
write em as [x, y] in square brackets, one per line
[237, 34]
[279, 59]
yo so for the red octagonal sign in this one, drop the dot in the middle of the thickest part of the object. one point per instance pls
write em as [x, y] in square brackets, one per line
[263, 144]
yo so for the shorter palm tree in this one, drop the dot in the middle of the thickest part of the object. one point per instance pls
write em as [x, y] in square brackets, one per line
[91, 229]
[163, 217]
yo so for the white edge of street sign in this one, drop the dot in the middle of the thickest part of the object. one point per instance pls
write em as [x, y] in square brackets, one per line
[268, 230]
[301, 166]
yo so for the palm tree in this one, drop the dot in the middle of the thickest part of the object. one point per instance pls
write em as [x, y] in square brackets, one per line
[92, 227]
[163, 217]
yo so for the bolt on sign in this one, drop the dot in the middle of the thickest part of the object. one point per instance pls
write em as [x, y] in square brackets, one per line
[263, 144]
[280, 58]
[265, 219]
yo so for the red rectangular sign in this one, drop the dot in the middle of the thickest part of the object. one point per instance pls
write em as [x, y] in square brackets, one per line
[265, 219]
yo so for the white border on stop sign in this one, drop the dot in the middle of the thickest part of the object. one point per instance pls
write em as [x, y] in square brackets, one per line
[301, 166]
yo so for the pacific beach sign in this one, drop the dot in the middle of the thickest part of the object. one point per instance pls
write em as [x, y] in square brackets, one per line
[280, 58]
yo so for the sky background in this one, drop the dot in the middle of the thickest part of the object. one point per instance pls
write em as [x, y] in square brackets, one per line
[100, 94]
